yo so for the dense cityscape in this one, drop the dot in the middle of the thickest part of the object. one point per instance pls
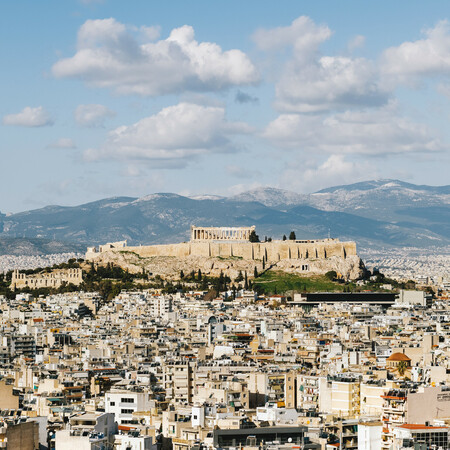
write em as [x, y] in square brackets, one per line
[222, 363]
[224, 225]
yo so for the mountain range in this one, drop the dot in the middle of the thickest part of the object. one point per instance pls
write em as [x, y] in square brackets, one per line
[381, 213]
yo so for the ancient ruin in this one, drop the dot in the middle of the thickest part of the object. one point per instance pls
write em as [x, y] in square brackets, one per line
[228, 250]
[221, 233]
[53, 279]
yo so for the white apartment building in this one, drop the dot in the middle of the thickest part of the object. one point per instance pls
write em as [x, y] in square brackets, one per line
[161, 305]
[369, 435]
[124, 403]
[126, 442]
[307, 391]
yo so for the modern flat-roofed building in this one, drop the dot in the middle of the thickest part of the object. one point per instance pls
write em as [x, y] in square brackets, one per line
[408, 435]
[315, 298]
[254, 437]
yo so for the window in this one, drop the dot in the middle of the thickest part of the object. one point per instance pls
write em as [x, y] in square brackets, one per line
[127, 400]
[112, 403]
[127, 411]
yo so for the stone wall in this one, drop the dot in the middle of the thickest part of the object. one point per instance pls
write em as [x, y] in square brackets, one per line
[271, 251]
[230, 258]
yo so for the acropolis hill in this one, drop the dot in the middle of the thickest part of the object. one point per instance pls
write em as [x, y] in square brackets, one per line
[229, 250]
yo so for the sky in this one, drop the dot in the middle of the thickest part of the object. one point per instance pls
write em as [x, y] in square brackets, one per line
[104, 98]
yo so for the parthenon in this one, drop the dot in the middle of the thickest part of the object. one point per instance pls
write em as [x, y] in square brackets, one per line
[220, 233]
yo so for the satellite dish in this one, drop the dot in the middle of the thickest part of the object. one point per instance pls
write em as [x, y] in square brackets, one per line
[290, 440]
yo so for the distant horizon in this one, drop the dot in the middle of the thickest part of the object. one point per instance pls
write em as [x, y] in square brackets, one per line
[205, 194]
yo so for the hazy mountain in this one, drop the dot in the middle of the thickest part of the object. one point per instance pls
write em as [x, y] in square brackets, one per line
[386, 184]
[271, 197]
[385, 199]
[36, 246]
[374, 213]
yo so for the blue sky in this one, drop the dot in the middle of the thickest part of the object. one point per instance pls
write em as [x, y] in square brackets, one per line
[108, 98]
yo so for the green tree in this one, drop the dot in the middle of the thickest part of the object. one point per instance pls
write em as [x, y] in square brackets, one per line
[199, 275]
[402, 368]
[253, 236]
[331, 275]
[284, 237]
[255, 272]
[292, 236]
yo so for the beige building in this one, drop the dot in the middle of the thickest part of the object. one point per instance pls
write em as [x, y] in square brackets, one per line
[7, 399]
[340, 395]
[273, 387]
[371, 396]
[54, 279]
[23, 436]
[178, 381]
[345, 398]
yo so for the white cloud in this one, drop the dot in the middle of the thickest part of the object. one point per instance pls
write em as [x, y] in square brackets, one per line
[375, 132]
[150, 33]
[425, 57]
[241, 171]
[237, 189]
[63, 143]
[329, 83]
[109, 56]
[29, 117]
[335, 170]
[356, 42]
[173, 136]
[92, 115]
[303, 34]
[133, 170]
[310, 82]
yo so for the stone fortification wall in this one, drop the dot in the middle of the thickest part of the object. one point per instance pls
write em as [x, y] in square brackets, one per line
[230, 258]
[271, 251]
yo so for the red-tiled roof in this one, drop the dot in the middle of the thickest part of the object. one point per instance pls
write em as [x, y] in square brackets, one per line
[420, 426]
[398, 357]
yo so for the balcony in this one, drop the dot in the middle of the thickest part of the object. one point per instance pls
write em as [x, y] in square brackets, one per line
[395, 409]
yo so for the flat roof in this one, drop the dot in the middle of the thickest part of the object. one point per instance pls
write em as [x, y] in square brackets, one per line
[261, 430]
[418, 426]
